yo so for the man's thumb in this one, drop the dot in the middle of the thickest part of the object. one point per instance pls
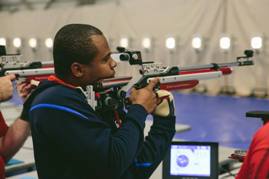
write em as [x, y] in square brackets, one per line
[153, 83]
[11, 77]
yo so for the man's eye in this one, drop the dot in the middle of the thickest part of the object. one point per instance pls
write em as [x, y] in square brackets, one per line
[105, 60]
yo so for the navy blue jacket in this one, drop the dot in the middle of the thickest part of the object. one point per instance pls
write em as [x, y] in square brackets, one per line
[72, 141]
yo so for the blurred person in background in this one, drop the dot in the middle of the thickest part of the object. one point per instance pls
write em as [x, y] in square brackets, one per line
[11, 137]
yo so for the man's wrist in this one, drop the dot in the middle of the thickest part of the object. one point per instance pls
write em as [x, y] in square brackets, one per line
[138, 113]
[168, 121]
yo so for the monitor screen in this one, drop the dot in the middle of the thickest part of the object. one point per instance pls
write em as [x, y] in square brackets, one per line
[191, 159]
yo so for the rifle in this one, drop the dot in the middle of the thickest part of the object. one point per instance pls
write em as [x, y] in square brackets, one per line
[171, 78]
[26, 70]
[111, 93]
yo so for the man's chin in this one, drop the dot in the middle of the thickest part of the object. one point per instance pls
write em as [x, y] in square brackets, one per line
[111, 76]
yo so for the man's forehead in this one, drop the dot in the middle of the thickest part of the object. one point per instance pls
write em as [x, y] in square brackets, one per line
[101, 44]
[96, 39]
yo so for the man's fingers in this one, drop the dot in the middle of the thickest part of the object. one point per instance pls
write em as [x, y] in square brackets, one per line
[153, 83]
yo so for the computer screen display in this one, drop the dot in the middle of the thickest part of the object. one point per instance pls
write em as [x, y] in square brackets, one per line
[191, 159]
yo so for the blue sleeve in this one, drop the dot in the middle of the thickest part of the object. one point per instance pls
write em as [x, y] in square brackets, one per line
[155, 147]
[90, 140]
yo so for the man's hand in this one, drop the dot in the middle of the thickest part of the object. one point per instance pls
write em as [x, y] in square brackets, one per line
[6, 88]
[145, 96]
[24, 89]
[165, 106]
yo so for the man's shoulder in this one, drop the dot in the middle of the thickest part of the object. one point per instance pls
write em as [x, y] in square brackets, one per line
[51, 92]
[62, 98]
[263, 132]
[260, 139]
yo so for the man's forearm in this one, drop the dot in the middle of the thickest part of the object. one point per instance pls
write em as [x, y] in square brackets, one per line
[14, 138]
[155, 146]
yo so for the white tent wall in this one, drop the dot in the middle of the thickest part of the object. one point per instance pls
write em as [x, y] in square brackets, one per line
[241, 19]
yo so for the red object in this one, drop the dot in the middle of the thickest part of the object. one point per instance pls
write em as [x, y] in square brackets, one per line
[3, 126]
[238, 157]
[256, 163]
[3, 131]
[58, 80]
[117, 120]
[224, 70]
[2, 168]
[179, 85]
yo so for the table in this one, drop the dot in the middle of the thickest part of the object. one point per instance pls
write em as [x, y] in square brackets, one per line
[28, 175]
[25, 155]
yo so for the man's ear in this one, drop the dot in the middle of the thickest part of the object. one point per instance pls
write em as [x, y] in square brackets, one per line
[77, 69]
